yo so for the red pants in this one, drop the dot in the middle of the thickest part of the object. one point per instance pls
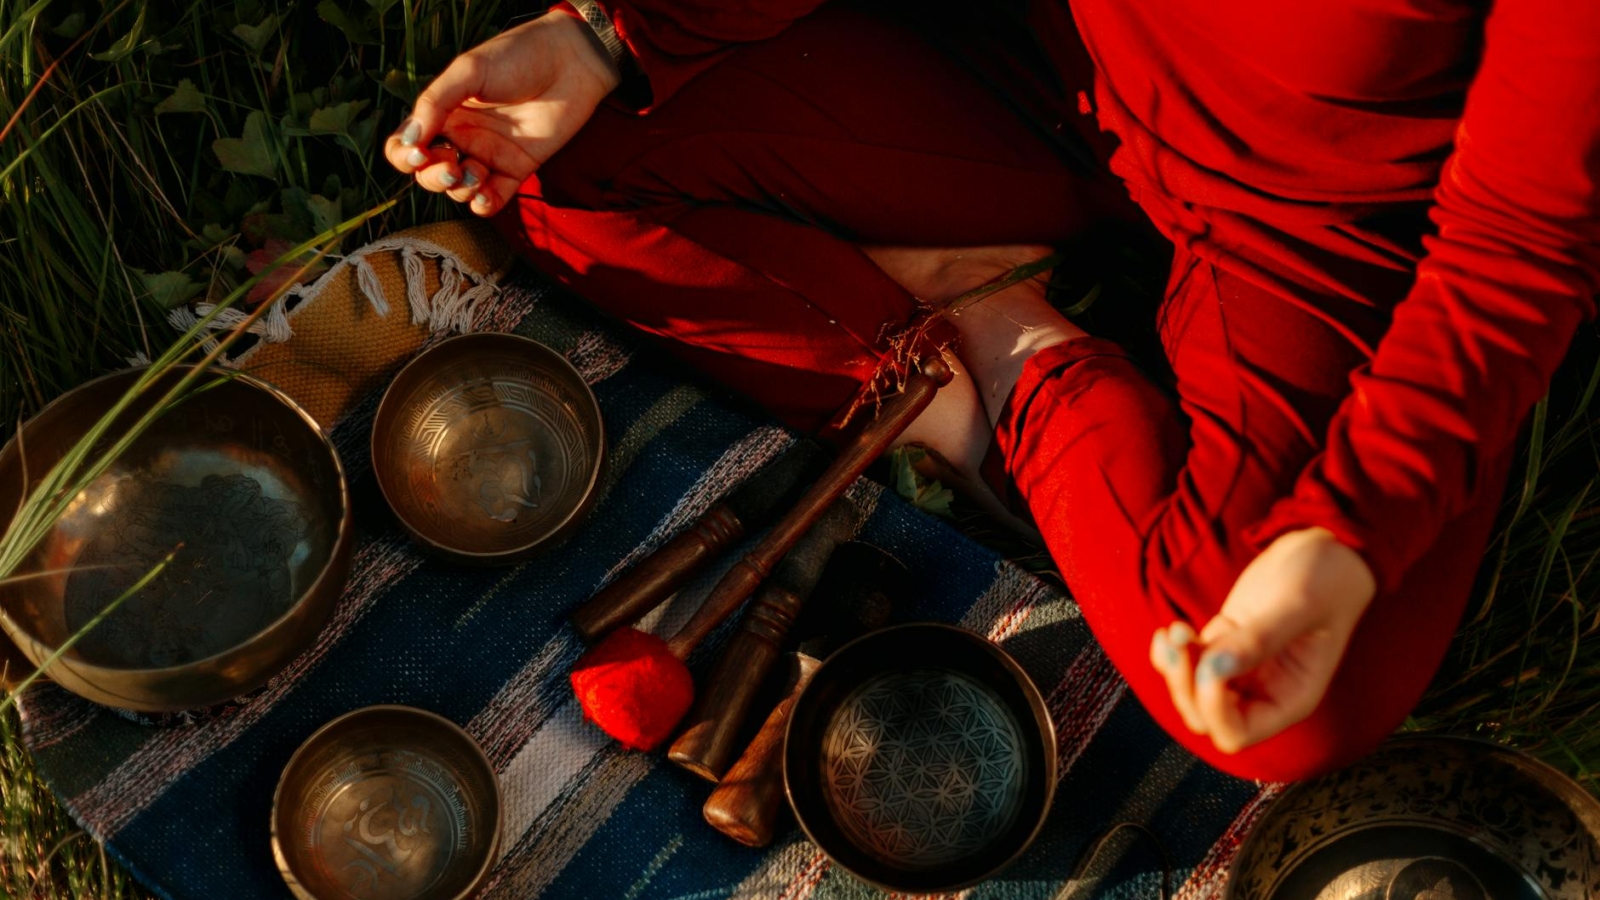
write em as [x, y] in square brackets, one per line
[725, 224]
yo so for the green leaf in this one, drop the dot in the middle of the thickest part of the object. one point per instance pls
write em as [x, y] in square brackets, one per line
[169, 289]
[382, 6]
[397, 84]
[355, 30]
[297, 206]
[127, 43]
[214, 234]
[360, 139]
[187, 98]
[256, 36]
[250, 154]
[337, 119]
[928, 496]
[70, 27]
[325, 213]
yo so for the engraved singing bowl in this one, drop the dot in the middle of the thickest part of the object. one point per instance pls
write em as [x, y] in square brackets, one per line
[1426, 818]
[921, 758]
[386, 803]
[240, 477]
[488, 448]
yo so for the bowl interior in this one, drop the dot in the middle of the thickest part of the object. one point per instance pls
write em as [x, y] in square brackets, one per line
[386, 803]
[487, 445]
[920, 758]
[1426, 817]
[238, 480]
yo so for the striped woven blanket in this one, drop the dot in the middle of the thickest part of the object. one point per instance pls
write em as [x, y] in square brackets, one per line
[184, 804]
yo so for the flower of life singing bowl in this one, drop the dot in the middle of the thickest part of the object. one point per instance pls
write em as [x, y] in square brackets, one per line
[236, 478]
[1426, 817]
[386, 803]
[488, 447]
[921, 758]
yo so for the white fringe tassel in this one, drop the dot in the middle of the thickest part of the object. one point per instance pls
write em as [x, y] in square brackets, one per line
[453, 307]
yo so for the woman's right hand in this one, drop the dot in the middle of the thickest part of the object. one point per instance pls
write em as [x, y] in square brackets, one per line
[507, 105]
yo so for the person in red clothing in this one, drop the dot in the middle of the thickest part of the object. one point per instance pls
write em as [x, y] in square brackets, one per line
[1386, 221]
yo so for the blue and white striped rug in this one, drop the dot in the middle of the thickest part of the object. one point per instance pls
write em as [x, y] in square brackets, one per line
[185, 805]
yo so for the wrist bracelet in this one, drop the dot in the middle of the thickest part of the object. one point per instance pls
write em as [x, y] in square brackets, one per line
[600, 25]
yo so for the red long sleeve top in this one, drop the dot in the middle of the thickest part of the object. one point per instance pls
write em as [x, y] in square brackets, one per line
[1242, 118]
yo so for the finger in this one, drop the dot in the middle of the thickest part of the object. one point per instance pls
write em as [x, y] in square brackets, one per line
[473, 175]
[441, 176]
[460, 80]
[1218, 701]
[493, 195]
[411, 159]
[1170, 655]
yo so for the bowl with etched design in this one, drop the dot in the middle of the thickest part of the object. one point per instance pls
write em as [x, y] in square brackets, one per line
[488, 447]
[386, 803]
[921, 758]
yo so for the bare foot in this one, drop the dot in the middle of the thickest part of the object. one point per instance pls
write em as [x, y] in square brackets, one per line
[999, 332]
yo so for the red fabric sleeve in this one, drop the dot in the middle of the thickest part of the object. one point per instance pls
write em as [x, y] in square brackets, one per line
[1512, 272]
[671, 41]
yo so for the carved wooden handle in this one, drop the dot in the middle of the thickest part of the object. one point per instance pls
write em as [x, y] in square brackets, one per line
[746, 803]
[659, 575]
[708, 744]
[731, 592]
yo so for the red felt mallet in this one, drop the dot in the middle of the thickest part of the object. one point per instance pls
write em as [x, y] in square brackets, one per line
[634, 685]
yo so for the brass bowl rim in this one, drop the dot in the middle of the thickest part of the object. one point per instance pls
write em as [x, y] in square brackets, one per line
[430, 718]
[346, 520]
[386, 410]
[1036, 705]
[1545, 774]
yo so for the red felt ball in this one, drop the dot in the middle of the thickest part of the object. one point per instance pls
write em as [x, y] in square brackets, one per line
[632, 686]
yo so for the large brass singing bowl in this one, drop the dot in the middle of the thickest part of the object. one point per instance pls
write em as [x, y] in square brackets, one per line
[250, 491]
[1426, 818]
[488, 447]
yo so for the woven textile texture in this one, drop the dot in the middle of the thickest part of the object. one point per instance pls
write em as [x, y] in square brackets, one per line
[184, 803]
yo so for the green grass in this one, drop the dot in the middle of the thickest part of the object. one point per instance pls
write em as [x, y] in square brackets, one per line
[152, 153]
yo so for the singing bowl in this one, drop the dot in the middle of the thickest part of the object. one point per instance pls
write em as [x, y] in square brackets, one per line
[237, 477]
[1426, 818]
[921, 758]
[488, 447]
[386, 803]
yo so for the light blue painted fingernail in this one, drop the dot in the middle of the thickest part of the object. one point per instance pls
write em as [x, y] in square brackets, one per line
[1215, 667]
[1169, 653]
[448, 179]
[416, 158]
[480, 202]
[470, 179]
[410, 133]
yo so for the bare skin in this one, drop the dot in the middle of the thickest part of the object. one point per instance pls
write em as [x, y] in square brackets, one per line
[1262, 664]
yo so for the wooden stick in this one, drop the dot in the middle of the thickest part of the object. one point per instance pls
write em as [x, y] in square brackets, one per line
[741, 580]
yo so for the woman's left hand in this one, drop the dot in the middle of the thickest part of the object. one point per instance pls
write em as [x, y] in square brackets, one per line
[1266, 660]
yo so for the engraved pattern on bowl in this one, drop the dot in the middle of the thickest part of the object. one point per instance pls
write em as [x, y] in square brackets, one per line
[923, 767]
[386, 803]
[1426, 818]
[921, 758]
[487, 446]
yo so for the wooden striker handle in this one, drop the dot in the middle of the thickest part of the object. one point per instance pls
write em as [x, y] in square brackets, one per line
[636, 592]
[875, 437]
[746, 803]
